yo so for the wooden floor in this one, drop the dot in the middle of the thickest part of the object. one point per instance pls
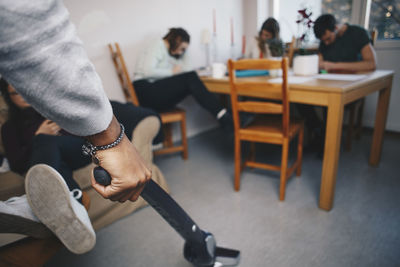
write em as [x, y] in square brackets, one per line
[362, 229]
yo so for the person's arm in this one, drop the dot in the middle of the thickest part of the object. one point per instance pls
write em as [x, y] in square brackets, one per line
[41, 56]
[320, 61]
[252, 50]
[368, 62]
[186, 66]
[128, 170]
[154, 58]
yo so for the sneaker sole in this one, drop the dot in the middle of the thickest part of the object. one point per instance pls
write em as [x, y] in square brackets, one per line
[54, 209]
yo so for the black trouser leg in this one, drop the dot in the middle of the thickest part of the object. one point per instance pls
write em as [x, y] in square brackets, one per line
[130, 115]
[310, 116]
[165, 94]
[63, 153]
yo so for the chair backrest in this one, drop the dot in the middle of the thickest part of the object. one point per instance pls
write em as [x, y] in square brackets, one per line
[275, 90]
[290, 52]
[374, 36]
[122, 72]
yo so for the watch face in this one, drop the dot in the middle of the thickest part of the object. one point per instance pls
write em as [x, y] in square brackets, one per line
[86, 150]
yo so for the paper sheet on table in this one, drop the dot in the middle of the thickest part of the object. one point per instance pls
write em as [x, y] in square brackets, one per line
[204, 73]
[291, 79]
[341, 77]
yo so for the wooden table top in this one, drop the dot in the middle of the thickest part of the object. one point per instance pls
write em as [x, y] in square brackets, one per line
[315, 84]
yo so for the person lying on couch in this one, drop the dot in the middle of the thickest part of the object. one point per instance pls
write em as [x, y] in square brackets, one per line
[29, 139]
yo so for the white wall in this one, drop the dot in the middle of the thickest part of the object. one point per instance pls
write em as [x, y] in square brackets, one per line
[250, 18]
[133, 23]
[255, 12]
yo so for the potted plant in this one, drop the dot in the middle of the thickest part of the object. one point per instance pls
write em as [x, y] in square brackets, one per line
[305, 63]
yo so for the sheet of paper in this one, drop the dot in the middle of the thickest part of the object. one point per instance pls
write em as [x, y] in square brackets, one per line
[291, 79]
[204, 73]
[341, 77]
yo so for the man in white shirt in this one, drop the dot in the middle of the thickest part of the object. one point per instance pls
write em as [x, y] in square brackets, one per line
[162, 78]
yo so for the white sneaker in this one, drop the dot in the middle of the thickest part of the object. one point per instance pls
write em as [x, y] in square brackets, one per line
[56, 207]
[16, 216]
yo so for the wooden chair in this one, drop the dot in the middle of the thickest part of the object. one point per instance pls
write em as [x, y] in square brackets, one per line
[167, 118]
[274, 129]
[290, 51]
[354, 127]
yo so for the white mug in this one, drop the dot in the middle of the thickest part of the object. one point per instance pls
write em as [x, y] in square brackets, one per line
[305, 65]
[218, 70]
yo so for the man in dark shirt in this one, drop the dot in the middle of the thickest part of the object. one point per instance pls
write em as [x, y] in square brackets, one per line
[343, 47]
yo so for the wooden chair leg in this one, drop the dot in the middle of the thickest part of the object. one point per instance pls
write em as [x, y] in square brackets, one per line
[184, 138]
[29, 252]
[300, 151]
[284, 167]
[359, 118]
[237, 163]
[350, 126]
[167, 128]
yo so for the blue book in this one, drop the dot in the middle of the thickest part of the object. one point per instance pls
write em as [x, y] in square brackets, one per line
[251, 73]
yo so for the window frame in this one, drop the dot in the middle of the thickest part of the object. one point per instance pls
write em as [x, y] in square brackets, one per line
[360, 12]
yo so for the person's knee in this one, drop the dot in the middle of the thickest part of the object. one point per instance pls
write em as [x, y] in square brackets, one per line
[44, 140]
[193, 75]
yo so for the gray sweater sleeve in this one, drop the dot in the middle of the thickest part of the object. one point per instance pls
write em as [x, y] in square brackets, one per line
[44, 60]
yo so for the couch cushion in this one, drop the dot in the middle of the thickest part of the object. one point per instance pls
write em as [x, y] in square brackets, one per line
[11, 184]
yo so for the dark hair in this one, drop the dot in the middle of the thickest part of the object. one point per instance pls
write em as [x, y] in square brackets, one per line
[323, 23]
[271, 25]
[13, 110]
[175, 37]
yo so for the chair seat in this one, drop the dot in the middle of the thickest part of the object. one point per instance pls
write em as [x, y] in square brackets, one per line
[173, 115]
[268, 129]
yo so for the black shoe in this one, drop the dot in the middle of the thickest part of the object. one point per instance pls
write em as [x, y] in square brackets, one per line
[246, 119]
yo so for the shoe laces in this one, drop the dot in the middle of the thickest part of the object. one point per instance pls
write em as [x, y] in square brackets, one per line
[76, 193]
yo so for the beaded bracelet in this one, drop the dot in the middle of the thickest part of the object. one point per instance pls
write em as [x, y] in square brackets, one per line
[88, 149]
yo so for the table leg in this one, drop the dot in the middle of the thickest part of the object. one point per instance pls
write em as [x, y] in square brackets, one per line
[380, 124]
[331, 151]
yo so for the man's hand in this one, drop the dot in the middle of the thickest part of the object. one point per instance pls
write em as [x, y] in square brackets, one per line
[176, 69]
[127, 169]
[48, 127]
[328, 65]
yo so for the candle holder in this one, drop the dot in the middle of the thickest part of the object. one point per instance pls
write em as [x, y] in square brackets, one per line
[214, 48]
[206, 39]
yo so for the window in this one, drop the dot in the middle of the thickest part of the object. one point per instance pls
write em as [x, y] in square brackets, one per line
[385, 18]
[341, 9]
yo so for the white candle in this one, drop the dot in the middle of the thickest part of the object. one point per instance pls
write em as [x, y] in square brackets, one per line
[232, 37]
[214, 22]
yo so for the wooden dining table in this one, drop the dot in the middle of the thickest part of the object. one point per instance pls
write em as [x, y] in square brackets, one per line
[334, 95]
